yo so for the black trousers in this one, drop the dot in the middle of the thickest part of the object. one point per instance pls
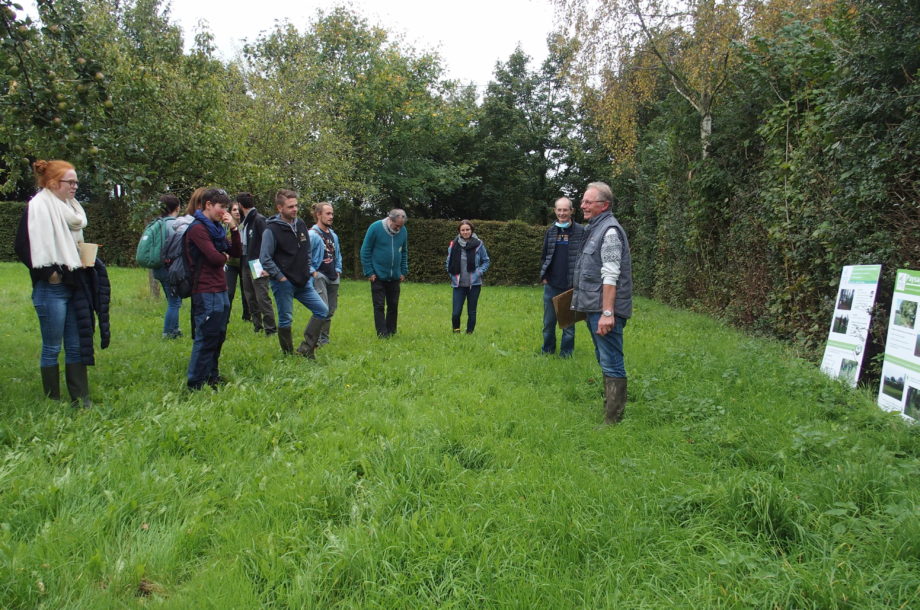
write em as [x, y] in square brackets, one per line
[385, 293]
[255, 292]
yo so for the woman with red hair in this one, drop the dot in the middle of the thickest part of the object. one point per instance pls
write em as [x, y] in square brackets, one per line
[48, 241]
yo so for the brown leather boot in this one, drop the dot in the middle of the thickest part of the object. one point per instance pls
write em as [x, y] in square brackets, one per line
[614, 399]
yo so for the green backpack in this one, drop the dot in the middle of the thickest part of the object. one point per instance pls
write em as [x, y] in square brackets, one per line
[150, 247]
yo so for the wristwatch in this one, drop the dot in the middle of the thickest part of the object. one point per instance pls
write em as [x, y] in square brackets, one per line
[607, 313]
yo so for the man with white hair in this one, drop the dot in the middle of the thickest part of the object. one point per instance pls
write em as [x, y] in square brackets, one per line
[603, 292]
[561, 247]
[385, 261]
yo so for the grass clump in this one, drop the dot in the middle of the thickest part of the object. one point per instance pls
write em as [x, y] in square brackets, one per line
[436, 470]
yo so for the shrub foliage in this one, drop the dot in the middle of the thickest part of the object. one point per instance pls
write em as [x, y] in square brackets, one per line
[514, 247]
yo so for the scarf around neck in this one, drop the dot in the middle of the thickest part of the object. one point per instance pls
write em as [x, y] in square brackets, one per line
[217, 233]
[470, 246]
[55, 229]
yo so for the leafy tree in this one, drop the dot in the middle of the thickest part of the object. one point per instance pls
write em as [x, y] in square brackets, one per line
[284, 128]
[106, 85]
[368, 120]
[531, 139]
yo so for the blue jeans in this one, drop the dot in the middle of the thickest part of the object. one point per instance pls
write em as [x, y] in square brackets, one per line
[285, 293]
[549, 325]
[609, 348]
[57, 320]
[212, 312]
[173, 304]
[470, 294]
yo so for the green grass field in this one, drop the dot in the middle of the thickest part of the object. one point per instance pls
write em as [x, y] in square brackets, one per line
[441, 470]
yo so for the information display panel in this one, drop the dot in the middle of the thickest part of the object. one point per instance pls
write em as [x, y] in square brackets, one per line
[846, 342]
[900, 388]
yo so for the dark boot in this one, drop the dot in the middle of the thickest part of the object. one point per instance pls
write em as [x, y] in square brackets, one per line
[51, 382]
[77, 385]
[284, 338]
[614, 399]
[310, 338]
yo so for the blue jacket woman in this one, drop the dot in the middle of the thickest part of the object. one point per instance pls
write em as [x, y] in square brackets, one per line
[467, 260]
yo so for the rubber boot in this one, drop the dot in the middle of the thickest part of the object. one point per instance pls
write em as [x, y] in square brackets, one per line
[51, 382]
[310, 338]
[614, 399]
[284, 338]
[77, 385]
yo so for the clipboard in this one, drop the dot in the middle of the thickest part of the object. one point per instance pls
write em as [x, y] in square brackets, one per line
[565, 316]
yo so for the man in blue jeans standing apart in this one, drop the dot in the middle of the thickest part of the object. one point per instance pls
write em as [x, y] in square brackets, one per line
[603, 292]
[561, 247]
[285, 258]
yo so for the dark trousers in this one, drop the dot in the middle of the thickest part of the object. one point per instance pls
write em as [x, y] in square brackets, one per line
[470, 294]
[550, 322]
[385, 292]
[255, 293]
[212, 310]
[232, 275]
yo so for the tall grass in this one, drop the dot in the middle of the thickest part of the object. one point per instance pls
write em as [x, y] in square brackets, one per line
[442, 470]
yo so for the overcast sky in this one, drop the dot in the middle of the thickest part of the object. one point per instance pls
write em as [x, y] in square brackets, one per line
[470, 35]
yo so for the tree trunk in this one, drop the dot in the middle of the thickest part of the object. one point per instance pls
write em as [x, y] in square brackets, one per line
[705, 132]
[153, 284]
[356, 240]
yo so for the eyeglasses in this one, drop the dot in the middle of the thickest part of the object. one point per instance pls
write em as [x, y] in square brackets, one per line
[594, 201]
[73, 183]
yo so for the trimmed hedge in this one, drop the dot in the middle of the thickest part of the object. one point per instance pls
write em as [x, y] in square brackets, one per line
[109, 225]
[10, 211]
[514, 247]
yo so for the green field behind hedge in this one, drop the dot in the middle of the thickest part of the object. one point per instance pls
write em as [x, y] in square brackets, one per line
[437, 470]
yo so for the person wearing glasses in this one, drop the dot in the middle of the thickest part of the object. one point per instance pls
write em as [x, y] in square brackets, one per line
[561, 247]
[208, 249]
[65, 293]
[603, 292]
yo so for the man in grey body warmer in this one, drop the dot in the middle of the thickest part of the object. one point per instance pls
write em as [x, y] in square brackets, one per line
[603, 292]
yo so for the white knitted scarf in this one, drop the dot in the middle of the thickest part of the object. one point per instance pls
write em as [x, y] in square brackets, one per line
[55, 229]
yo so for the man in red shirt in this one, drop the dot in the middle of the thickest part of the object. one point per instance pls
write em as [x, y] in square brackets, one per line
[208, 248]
